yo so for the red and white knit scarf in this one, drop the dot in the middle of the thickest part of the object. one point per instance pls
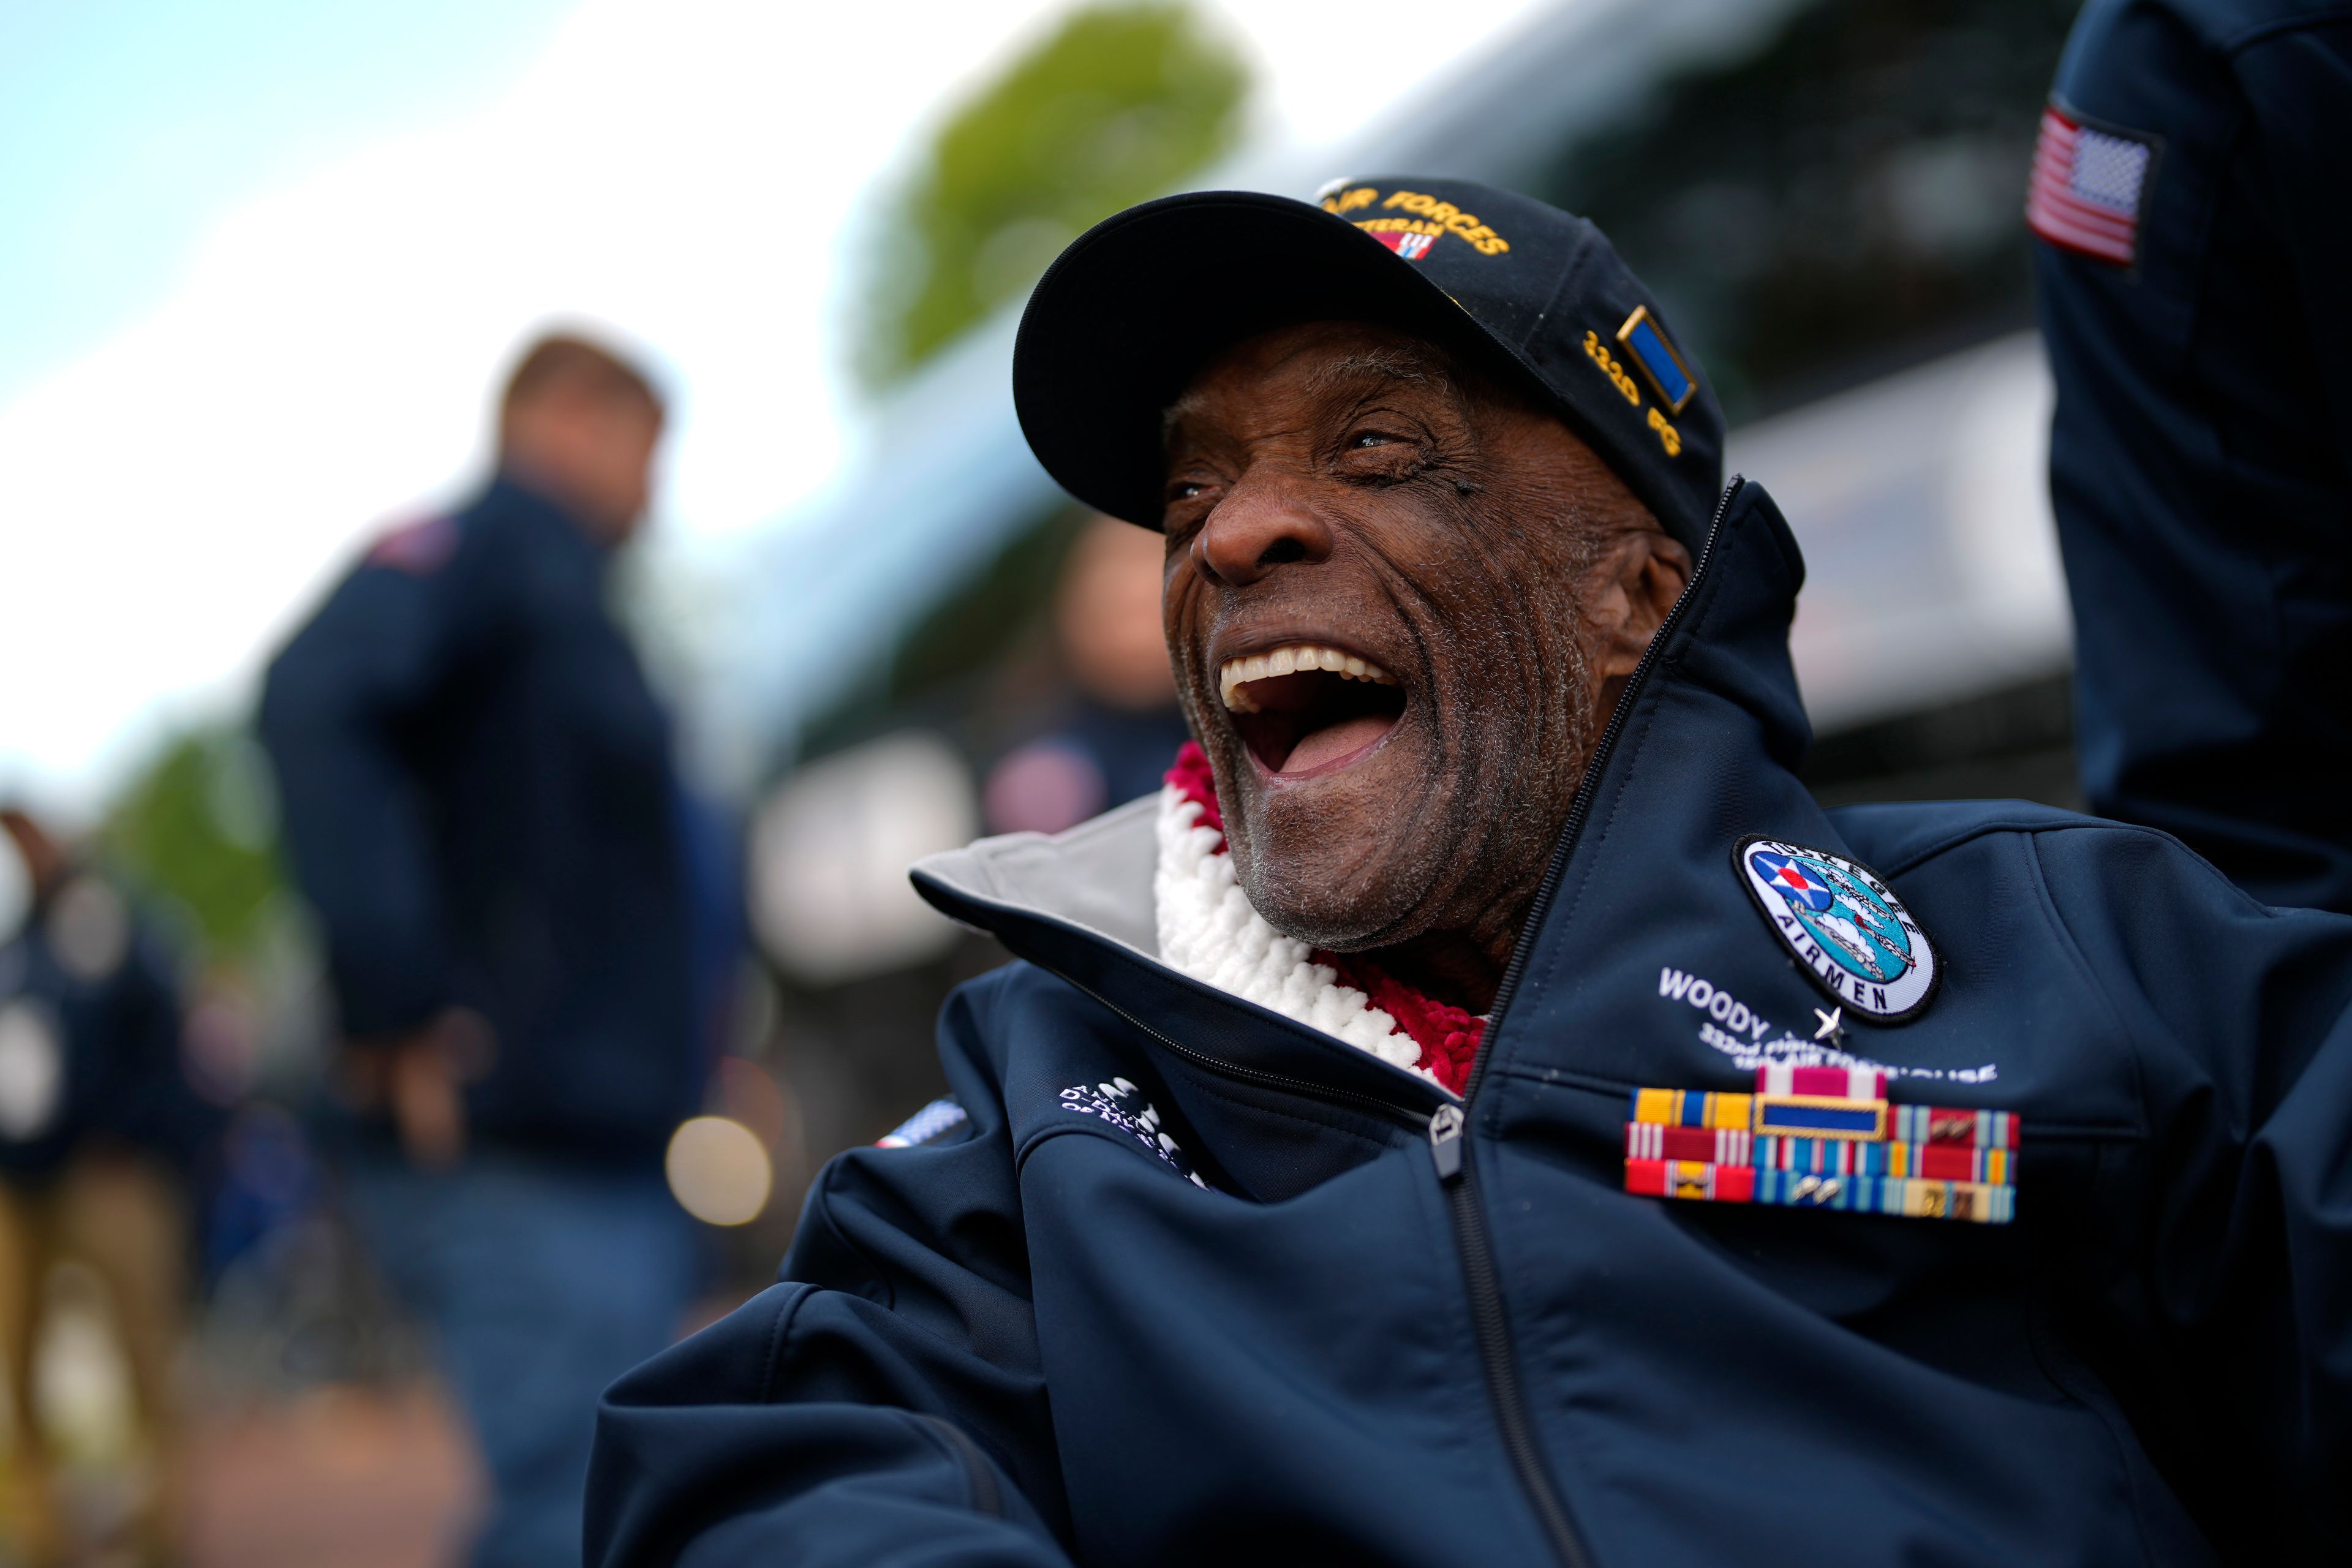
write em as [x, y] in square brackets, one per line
[1209, 931]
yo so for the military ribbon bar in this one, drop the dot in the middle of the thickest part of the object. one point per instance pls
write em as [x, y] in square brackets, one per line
[1691, 1108]
[1911, 1197]
[1820, 1115]
[1714, 1145]
[1824, 1138]
[1848, 1156]
[1700, 1179]
[1939, 1124]
[1839, 1083]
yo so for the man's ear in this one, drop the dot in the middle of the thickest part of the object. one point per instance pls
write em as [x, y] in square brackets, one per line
[1640, 575]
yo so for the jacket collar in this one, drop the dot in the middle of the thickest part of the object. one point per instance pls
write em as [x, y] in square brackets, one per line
[1702, 748]
[509, 496]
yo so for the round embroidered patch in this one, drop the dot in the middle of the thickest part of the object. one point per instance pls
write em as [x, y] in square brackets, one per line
[1843, 925]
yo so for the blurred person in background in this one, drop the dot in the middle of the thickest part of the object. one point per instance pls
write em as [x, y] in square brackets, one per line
[1111, 741]
[480, 800]
[98, 1128]
[2190, 274]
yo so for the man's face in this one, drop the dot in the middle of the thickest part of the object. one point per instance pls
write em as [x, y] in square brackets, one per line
[1337, 494]
[594, 450]
[616, 440]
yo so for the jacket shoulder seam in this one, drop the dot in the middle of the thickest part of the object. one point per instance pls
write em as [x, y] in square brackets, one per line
[821, 1203]
[1954, 837]
[2263, 32]
[2035, 829]
[963, 1452]
[2091, 977]
[778, 1332]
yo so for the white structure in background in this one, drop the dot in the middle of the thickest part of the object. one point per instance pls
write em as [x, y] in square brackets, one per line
[1922, 506]
[830, 849]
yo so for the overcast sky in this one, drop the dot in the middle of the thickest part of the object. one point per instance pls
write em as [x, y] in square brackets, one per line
[262, 259]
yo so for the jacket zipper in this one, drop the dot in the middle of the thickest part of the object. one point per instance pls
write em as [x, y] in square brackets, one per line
[1447, 1125]
[1505, 1387]
[1504, 1390]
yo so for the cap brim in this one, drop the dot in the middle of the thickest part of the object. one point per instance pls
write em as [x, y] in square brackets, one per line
[1131, 311]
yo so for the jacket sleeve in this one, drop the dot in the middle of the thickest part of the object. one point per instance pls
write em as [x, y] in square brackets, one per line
[885, 1407]
[2298, 88]
[339, 700]
[2241, 1017]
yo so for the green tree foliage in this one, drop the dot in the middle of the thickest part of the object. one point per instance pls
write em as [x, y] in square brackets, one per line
[1119, 105]
[197, 829]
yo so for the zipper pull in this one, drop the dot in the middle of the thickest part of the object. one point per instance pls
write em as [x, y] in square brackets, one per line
[1445, 1143]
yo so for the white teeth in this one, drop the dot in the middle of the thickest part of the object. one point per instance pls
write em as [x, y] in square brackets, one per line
[1237, 673]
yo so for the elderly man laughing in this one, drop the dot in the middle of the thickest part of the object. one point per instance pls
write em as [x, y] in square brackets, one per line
[1485, 1110]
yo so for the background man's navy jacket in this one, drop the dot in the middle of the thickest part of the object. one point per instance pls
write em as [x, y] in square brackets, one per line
[481, 804]
[113, 1018]
[1037, 1341]
[2202, 460]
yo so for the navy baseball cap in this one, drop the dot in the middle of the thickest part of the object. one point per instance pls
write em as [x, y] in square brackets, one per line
[1133, 310]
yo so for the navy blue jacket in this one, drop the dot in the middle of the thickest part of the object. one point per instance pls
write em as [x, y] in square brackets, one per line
[109, 1024]
[1038, 1341]
[479, 797]
[2201, 458]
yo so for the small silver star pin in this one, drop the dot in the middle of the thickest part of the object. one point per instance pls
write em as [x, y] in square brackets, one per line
[1831, 1029]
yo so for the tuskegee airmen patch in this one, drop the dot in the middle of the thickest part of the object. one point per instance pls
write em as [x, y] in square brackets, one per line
[1843, 925]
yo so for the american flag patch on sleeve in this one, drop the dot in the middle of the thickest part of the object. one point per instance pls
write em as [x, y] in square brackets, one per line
[935, 1121]
[2088, 187]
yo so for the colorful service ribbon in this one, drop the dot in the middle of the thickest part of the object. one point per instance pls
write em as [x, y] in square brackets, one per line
[1824, 1138]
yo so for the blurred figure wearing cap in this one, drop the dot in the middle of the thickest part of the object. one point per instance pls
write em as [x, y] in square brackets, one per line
[481, 803]
[1484, 1109]
[98, 1129]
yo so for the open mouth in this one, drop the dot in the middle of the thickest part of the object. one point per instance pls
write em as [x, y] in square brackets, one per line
[1305, 706]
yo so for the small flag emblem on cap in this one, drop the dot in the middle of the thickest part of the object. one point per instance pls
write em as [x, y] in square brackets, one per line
[1645, 344]
[1411, 247]
[2088, 188]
